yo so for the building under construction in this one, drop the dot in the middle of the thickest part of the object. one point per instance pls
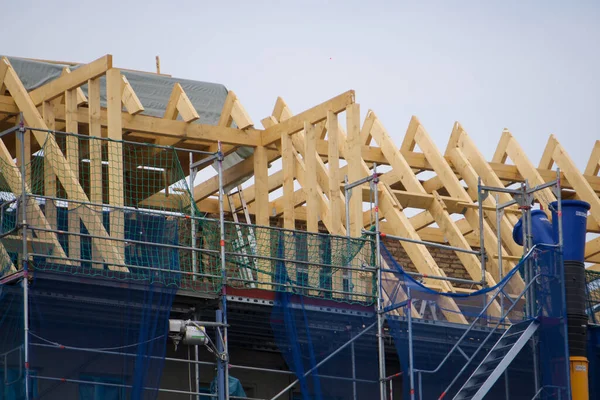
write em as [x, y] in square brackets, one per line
[157, 243]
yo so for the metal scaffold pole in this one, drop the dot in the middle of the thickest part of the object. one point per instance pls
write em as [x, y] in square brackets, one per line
[380, 315]
[222, 369]
[411, 367]
[25, 261]
[194, 259]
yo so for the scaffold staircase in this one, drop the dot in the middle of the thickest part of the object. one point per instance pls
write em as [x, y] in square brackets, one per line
[497, 360]
[245, 244]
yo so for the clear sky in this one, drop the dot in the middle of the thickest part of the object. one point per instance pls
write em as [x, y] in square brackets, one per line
[530, 66]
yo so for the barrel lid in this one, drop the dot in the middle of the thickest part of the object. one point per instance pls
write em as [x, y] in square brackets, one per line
[571, 203]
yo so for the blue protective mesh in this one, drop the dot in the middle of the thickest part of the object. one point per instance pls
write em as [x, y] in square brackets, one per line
[440, 319]
[306, 335]
[89, 338]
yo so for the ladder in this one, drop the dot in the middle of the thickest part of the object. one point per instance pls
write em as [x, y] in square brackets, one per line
[497, 360]
[244, 244]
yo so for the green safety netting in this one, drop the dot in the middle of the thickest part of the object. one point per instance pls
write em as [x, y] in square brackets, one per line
[592, 279]
[157, 234]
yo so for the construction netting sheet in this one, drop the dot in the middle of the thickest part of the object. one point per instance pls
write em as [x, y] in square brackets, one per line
[86, 341]
[316, 265]
[146, 234]
[315, 345]
[452, 333]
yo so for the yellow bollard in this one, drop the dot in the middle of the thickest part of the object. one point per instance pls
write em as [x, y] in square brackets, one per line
[579, 378]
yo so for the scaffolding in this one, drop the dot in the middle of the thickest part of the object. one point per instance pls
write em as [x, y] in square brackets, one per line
[52, 243]
[125, 214]
[208, 269]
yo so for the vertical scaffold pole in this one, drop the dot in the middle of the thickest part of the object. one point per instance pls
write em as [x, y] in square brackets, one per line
[499, 215]
[562, 280]
[192, 214]
[25, 257]
[481, 239]
[194, 262]
[411, 375]
[380, 322]
[354, 394]
[347, 275]
[222, 372]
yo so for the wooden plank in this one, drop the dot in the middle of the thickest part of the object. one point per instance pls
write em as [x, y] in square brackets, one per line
[180, 104]
[335, 198]
[115, 159]
[225, 119]
[261, 178]
[73, 160]
[333, 163]
[7, 105]
[182, 130]
[49, 176]
[288, 165]
[312, 196]
[3, 69]
[261, 173]
[527, 170]
[355, 172]
[240, 116]
[76, 78]
[396, 159]
[96, 181]
[129, 98]
[593, 165]
[81, 99]
[546, 160]
[365, 132]
[231, 176]
[583, 189]
[500, 153]
[313, 115]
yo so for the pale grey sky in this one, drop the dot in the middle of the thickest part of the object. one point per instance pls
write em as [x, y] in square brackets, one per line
[530, 66]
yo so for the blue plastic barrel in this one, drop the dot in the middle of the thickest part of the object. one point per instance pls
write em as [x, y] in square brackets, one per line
[541, 229]
[574, 222]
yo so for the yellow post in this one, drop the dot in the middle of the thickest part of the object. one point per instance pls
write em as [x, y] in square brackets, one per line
[579, 378]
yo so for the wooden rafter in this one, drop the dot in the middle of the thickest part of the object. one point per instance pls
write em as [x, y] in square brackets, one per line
[315, 155]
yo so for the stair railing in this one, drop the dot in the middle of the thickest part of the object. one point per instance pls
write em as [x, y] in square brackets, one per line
[502, 318]
[456, 346]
